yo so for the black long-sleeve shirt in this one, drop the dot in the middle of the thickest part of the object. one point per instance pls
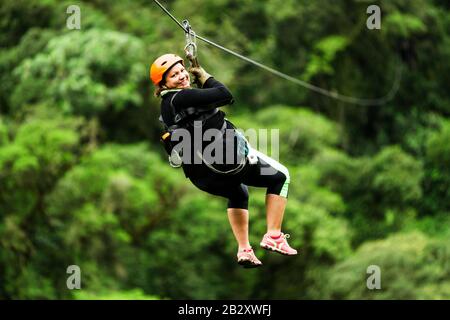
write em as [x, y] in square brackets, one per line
[213, 94]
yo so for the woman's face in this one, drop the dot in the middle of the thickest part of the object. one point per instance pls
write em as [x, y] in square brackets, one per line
[177, 77]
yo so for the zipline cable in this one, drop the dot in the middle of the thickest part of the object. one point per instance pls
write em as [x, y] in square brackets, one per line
[330, 94]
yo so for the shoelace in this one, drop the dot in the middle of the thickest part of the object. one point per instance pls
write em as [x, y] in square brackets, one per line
[287, 236]
[283, 235]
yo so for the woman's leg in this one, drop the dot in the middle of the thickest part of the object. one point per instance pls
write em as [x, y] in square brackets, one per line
[239, 224]
[275, 206]
[275, 177]
[237, 195]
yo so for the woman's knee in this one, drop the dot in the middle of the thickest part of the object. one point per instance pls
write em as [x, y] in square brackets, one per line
[239, 198]
[280, 183]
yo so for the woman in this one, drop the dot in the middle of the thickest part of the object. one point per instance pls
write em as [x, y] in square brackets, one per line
[186, 107]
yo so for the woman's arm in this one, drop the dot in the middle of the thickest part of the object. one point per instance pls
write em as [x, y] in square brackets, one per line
[214, 94]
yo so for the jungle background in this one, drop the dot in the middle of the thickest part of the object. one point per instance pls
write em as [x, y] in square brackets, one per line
[85, 181]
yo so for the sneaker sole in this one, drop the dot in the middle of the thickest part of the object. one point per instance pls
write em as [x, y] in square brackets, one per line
[269, 248]
[247, 264]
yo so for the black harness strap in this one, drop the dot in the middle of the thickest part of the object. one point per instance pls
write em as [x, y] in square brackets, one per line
[181, 118]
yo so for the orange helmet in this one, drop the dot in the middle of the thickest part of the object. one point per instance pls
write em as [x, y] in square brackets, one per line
[161, 65]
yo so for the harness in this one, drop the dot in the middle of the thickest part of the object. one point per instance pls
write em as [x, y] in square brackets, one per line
[181, 119]
[184, 119]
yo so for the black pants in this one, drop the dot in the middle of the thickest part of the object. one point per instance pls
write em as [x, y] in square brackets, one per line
[267, 173]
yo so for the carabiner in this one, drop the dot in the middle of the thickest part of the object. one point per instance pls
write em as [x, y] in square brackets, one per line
[191, 45]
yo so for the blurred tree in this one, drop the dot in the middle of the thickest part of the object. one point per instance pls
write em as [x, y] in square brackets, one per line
[301, 132]
[103, 210]
[32, 160]
[19, 16]
[381, 194]
[412, 267]
[321, 238]
[437, 174]
[70, 194]
[31, 43]
[96, 74]
[135, 294]
[83, 73]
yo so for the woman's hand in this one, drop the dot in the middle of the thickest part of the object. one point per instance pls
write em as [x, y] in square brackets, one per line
[200, 74]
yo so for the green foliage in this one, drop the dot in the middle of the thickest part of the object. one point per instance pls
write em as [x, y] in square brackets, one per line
[203, 271]
[30, 44]
[321, 235]
[84, 73]
[321, 238]
[397, 177]
[3, 133]
[404, 25]
[381, 193]
[437, 173]
[19, 16]
[436, 226]
[82, 179]
[326, 50]
[37, 154]
[135, 294]
[301, 132]
[412, 266]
